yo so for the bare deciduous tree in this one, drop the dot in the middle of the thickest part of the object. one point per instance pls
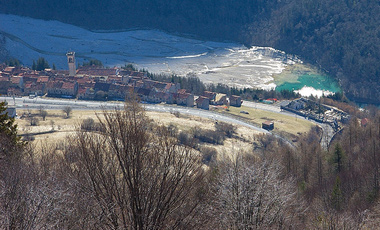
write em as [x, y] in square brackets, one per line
[43, 114]
[251, 195]
[137, 179]
[67, 111]
[30, 195]
[33, 121]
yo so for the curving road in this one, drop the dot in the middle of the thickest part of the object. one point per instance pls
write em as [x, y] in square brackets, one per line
[57, 104]
[327, 131]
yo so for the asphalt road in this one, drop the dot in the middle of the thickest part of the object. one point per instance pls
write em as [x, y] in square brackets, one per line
[328, 131]
[58, 103]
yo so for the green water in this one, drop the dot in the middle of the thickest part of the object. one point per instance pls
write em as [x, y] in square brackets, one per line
[318, 82]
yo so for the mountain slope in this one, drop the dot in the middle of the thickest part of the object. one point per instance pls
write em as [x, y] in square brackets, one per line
[341, 36]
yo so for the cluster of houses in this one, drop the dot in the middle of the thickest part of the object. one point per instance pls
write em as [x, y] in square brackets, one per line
[211, 98]
[318, 112]
[94, 83]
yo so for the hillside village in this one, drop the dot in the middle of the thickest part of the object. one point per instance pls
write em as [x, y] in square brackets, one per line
[99, 83]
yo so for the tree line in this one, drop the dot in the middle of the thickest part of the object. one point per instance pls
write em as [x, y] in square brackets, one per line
[193, 84]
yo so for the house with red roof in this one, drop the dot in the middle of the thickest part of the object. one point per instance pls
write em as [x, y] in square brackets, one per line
[210, 95]
[34, 89]
[86, 93]
[53, 88]
[158, 97]
[114, 80]
[185, 99]
[118, 91]
[9, 69]
[203, 102]
[59, 88]
[69, 89]
[17, 81]
[215, 98]
[43, 79]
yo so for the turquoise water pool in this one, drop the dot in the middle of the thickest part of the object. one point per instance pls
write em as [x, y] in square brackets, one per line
[316, 81]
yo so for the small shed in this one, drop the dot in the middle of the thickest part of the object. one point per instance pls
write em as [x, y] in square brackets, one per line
[268, 125]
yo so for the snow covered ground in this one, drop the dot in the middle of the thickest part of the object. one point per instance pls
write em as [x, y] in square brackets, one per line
[214, 62]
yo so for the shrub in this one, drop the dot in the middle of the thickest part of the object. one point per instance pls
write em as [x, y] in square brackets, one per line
[208, 154]
[88, 124]
[225, 128]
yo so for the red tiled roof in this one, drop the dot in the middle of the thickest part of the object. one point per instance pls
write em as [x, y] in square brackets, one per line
[169, 85]
[82, 90]
[125, 72]
[87, 84]
[28, 85]
[82, 80]
[201, 99]
[209, 94]
[54, 84]
[183, 95]
[4, 78]
[31, 75]
[181, 91]
[43, 79]
[33, 86]
[16, 80]
[9, 69]
[68, 85]
[97, 72]
[268, 123]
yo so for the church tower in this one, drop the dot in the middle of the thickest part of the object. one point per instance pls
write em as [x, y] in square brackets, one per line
[71, 62]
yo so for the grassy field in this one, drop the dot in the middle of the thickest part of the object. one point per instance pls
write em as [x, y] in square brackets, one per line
[56, 127]
[55, 122]
[286, 125]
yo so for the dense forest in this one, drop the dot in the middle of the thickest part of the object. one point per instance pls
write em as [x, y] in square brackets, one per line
[342, 37]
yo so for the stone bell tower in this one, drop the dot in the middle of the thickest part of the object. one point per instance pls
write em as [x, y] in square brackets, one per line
[71, 63]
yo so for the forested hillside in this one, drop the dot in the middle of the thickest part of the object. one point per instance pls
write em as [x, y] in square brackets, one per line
[342, 37]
